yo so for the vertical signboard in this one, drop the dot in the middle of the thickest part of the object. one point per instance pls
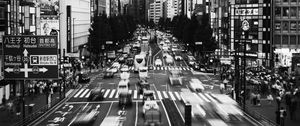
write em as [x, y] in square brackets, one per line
[49, 16]
[69, 29]
[30, 57]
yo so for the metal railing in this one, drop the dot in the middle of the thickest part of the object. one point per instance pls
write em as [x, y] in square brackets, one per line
[259, 117]
[36, 114]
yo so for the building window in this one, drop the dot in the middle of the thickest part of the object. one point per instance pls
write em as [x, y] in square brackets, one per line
[293, 1]
[293, 40]
[285, 26]
[278, 11]
[278, 1]
[293, 26]
[298, 26]
[285, 11]
[285, 1]
[277, 39]
[293, 12]
[285, 40]
[278, 26]
[298, 39]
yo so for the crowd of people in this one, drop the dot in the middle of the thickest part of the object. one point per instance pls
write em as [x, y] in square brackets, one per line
[271, 85]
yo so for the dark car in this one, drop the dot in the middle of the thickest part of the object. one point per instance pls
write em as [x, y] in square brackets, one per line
[129, 61]
[143, 85]
[96, 95]
[83, 77]
[108, 74]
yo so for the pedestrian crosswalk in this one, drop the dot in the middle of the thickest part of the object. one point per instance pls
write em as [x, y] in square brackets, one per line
[172, 68]
[112, 94]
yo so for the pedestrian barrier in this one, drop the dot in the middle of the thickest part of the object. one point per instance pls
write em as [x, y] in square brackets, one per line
[262, 119]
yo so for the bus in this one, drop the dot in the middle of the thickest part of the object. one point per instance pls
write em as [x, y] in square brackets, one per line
[139, 61]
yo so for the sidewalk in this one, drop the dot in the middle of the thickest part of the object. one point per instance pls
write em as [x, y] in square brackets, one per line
[268, 111]
[8, 118]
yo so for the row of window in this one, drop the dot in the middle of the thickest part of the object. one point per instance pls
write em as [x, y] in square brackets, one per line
[287, 26]
[287, 1]
[287, 39]
[286, 12]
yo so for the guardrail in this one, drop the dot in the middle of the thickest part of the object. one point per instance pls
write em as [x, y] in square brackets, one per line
[36, 114]
[262, 119]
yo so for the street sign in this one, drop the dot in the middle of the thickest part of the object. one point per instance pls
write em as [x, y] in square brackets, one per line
[30, 57]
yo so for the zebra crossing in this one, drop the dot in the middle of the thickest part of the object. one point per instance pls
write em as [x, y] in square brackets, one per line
[112, 94]
[167, 68]
[172, 68]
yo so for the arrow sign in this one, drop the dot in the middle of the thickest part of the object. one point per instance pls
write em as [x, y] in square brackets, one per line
[43, 69]
[25, 52]
[97, 107]
[9, 69]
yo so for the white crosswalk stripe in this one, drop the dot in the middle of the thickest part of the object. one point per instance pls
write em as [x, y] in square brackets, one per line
[177, 95]
[112, 93]
[130, 91]
[117, 94]
[78, 93]
[188, 68]
[180, 68]
[154, 68]
[198, 99]
[106, 93]
[171, 95]
[203, 97]
[141, 96]
[159, 94]
[184, 68]
[88, 94]
[191, 68]
[210, 98]
[154, 96]
[165, 94]
[85, 91]
[135, 94]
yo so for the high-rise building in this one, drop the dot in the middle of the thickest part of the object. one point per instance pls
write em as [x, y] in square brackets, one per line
[250, 25]
[156, 11]
[286, 29]
[171, 8]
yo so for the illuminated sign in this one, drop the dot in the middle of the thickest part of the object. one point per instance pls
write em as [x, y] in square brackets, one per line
[250, 11]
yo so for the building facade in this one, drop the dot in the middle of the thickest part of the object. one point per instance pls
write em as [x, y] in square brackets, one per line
[255, 16]
[286, 29]
[156, 11]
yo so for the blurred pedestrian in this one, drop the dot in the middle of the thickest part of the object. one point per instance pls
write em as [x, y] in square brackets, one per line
[282, 116]
[222, 87]
[270, 99]
[278, 100]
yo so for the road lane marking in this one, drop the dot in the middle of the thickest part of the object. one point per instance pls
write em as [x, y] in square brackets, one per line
[86, 90]
[112, 93]
[165, 94]
[136, 114]
[88, 94]
[159, 94]
[130, 92]
[109, 109]
[78, 93]
[177, 95]
[162, 104]
[179, 111]
[135, 94]
[201, 101]
[106, 93]
[203, 97]
[171, 95]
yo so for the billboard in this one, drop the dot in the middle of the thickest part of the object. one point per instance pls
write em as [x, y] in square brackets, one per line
[48, 24]
[30, 57]
[49, 7]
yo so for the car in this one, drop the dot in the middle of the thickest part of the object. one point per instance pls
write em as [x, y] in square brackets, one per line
[122, 59]
[165, 54]
[148, 95]
[86, 117]
[116, 64]
[175, 77]
[169, 60]
[96, 95]
[158, 62]
[83, 77]
[130, 61]
[196, 85]
[150, 104]
[108, 73]
[114, 69]
[178, 57]
[143, 85]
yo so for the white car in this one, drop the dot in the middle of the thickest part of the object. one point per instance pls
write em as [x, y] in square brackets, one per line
[158, 62]
[113, 69]
[116, 64]
[169, 60]
[177, 57]
[196, 85]
[150, 104]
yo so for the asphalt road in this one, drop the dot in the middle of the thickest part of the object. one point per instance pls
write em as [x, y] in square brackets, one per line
[158, 78]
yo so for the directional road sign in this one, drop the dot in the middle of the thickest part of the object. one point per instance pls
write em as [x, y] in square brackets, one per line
[30, 57]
